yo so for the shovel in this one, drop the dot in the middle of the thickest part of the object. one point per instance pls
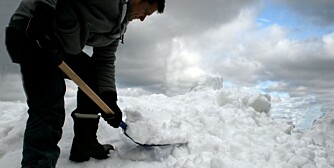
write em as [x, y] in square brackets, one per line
[91, 94]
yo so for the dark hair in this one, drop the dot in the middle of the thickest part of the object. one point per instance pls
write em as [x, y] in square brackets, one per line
[161, 4]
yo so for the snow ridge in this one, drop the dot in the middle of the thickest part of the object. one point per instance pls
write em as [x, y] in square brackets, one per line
[222, 128]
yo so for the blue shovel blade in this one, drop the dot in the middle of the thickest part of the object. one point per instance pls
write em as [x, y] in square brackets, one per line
[124, 126]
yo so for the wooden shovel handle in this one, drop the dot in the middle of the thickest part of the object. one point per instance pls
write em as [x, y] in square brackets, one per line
[85, 88]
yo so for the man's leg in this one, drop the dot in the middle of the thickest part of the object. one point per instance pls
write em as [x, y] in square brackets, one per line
[85, 144]
[45, 88]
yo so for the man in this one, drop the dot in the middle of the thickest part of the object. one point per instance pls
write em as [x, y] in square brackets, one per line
[40, 35]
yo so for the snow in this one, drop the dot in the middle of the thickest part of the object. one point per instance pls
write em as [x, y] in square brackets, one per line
[222, 128]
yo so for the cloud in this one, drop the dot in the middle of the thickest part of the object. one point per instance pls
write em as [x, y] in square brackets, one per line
[194, 38]
[318, 12]
[195, 16]
[246, 53]
[146, 57]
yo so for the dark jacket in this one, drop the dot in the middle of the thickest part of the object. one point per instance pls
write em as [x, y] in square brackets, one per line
[97, 23]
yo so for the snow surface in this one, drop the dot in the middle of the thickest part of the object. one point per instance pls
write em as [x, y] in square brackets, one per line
[223, 128]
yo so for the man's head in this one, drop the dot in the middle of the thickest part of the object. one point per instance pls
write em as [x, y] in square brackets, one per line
[139, 9]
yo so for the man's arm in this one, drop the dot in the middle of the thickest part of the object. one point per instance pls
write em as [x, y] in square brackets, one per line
[104, 60]
[51, 3]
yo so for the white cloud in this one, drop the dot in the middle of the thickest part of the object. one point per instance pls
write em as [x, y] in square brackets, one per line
[318, 12]
[328, 41]
[182, 65]
[195, 37]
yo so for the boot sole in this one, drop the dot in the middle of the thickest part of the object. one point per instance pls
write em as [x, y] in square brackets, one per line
[79, 159]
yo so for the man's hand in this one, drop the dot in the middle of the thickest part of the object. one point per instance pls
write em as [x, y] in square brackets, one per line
[110, 98]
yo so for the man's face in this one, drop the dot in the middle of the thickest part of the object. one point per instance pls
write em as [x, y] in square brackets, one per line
[140, 9]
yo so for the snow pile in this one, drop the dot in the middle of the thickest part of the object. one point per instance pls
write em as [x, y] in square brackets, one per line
[151, 123]
[302, 111]
[207, 81]
[12, 121]
[260, 102]
[222, 128]
[322, 134]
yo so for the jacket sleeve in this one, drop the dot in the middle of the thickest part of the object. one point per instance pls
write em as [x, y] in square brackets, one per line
[26, 6]
[104, 60]
[51, 3]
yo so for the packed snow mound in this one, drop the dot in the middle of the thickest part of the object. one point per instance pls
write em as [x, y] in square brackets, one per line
[222, 128]
[322, 134]
[150, 123]
[259, 102]
[207, 81]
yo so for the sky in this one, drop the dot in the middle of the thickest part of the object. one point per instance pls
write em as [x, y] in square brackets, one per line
[278, 46]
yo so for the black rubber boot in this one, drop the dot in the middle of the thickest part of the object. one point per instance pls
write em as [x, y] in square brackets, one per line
[85, 144]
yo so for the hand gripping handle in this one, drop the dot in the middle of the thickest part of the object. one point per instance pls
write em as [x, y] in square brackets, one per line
[85, 88]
